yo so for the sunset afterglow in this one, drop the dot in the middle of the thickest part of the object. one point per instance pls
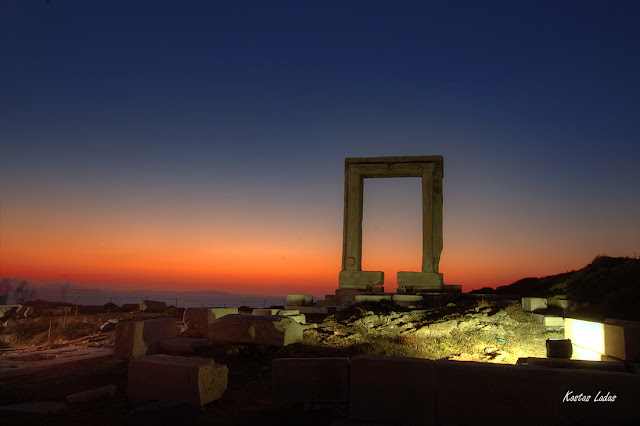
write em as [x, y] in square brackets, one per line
[205, 149]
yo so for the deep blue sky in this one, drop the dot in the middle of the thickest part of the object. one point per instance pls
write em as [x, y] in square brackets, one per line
[535, 107]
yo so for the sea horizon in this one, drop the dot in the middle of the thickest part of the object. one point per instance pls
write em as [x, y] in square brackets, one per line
[180, 299]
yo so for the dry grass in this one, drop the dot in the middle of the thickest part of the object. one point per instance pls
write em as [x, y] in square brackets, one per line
[482, 303]
[39, 331]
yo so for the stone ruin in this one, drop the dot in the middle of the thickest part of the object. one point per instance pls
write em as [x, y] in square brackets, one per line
[414, 287]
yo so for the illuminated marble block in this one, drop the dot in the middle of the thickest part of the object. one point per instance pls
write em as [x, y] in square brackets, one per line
[587, 335]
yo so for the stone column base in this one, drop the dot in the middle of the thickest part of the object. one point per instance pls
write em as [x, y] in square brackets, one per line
[361, 280]
[420, 280]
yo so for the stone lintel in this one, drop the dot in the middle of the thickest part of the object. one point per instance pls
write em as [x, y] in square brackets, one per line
[360, 279]
[397, 163]
[420, 279]
[392, 170]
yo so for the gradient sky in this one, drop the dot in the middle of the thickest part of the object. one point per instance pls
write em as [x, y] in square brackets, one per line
[201, 144]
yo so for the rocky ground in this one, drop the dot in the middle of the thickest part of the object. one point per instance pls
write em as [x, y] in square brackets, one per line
[477, 331]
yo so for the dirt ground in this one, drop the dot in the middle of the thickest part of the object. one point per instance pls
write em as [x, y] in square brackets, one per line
[482, 332]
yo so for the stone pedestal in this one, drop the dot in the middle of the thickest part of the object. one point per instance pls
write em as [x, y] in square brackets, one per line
[360, 280]
[420, 280]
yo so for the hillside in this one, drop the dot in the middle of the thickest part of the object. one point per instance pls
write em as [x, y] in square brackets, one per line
[608, 287]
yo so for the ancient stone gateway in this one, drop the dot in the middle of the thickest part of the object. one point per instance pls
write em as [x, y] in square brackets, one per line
[430, 169]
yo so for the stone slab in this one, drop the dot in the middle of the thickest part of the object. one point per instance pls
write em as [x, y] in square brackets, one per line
[622, 339]
[299, 318]
[411, 298]
[152, 306]
[310, 309]
[299, 300]
[580, 353]
[33, 362]
[550, 322]
[193, 333]
[524, 394]
[288, 312]
[39, 407]
[530, 304]
[618, 366]
[586, 334]
[361, 298]
[553, 322]
[420, 280]
[183, 345]
[392, 390]
[96, 394]
[624, 409]
[360, 279]
[262, 312]
[306, 380]
[273, 330]
[175, 378]
[135, 339]
[200, 318]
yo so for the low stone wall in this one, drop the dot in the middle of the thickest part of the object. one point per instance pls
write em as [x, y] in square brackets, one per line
[390, 390]
[311, 380]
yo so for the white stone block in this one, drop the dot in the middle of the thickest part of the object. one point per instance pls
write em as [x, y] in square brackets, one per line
[553, 322]
[530, 304]
[586, 334]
